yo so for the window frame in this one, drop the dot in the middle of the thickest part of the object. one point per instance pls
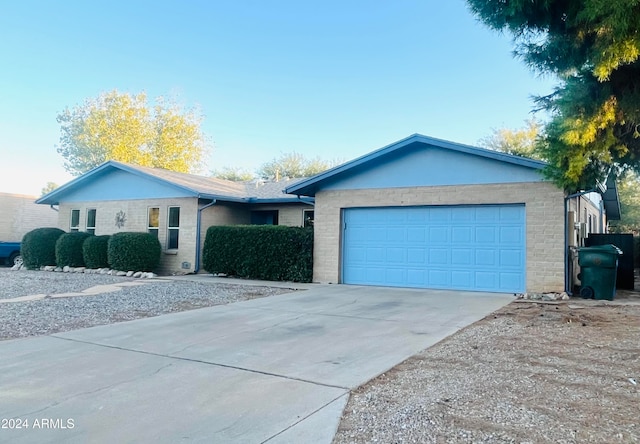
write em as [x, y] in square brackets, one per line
[74, 228]
[308, 221]
[171, 228]
[151, 229]
[91, 229]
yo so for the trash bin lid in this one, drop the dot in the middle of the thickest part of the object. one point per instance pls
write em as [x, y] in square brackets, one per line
[609, 248]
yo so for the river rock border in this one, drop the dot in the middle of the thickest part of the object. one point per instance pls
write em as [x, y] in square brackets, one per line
[107, 271]
[544, 296]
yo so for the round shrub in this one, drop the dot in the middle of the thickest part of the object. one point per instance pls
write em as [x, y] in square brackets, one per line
[38, 247]
[69, 249]
[94, 251]
[133, 251]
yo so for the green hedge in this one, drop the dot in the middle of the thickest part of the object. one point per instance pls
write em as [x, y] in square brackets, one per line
[38, 247]
[133, 251]
[94, 251]
[275, 253]
[69, 249]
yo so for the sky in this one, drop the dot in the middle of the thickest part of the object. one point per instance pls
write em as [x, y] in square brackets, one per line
[333, 79]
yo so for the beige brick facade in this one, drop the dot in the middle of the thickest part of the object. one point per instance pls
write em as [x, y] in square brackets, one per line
[19, 215]
[544, 208]
[136, 212]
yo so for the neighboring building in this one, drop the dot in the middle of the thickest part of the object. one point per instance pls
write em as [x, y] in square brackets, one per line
[429, 213]
[20, 214]
[176, 207]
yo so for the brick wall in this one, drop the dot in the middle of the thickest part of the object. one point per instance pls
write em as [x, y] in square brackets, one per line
[19, 215]
[136, 212]
[544, 208]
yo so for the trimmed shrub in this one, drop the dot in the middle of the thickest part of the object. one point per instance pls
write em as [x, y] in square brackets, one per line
[94, 251]
[38, 247]
[130, 251]
[275, 253]
[69, 249]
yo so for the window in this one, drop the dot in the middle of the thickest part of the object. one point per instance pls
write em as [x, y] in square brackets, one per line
[264, 217]
[75, 221]
[153, 222]
[307, 218]
[91, 221]
[173, 228]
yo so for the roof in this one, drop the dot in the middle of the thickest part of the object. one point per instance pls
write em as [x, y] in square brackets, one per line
[309, 186]
[191, 184]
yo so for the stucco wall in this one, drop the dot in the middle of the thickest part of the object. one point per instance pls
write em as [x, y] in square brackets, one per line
[544, 207]
[136, 212]
[19, 215]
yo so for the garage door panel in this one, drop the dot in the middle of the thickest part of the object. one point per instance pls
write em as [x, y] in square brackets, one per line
[478, 247]
[396, 255]
[416, 256]
[461, 257]
[486, 235]
[439, 234]
[461, 235]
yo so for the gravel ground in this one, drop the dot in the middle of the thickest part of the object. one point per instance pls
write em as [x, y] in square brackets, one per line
[529, 373]
[153, 298]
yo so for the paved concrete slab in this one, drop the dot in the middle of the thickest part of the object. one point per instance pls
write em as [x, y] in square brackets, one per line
[275, 369]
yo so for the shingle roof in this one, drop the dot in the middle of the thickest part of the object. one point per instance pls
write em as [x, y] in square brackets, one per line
[200, 186]
[250, 190]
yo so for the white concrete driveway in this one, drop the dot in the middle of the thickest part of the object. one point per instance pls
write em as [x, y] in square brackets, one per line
[275, 370]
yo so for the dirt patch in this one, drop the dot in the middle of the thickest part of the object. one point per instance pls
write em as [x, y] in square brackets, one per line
[531, 372]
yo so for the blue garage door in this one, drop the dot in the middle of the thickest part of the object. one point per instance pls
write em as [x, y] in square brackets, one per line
[479, 247]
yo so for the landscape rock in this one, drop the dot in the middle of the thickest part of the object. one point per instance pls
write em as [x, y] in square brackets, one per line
[129, 273]
[66, 269]
[121, 273]
[137, 274]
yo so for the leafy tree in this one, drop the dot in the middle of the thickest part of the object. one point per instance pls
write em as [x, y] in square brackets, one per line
[294, 165]
[520, 142]
[124, 127]
[233, 174]
[593, 47]
[49, 187]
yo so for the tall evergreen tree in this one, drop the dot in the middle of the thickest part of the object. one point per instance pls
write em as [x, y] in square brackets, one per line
[593, 46]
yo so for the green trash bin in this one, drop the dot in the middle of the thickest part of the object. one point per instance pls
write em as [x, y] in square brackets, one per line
[598, 270]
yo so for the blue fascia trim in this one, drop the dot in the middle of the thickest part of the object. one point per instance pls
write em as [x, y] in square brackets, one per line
[219, 197]
[311, 183]
[306, 200]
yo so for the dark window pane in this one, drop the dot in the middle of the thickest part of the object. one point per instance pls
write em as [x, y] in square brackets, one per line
[91, 231]
[264, 217]
[75, 218]
[174, 217]
[154, 232]
[91, 218]
[308, 218]
[173, 239]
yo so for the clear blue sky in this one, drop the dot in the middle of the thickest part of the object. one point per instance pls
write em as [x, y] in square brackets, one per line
[334, 79]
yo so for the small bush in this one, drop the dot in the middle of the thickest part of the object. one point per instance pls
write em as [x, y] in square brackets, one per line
[133, 251]
[94, 251]
[38, 247]
[275, 253]
[69, 249]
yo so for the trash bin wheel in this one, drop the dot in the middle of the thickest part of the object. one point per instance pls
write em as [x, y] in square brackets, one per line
[587, 293]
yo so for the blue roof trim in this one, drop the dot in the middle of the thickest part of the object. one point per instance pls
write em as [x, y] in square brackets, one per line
[305, 200]
[52, 198]
[310, 185]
